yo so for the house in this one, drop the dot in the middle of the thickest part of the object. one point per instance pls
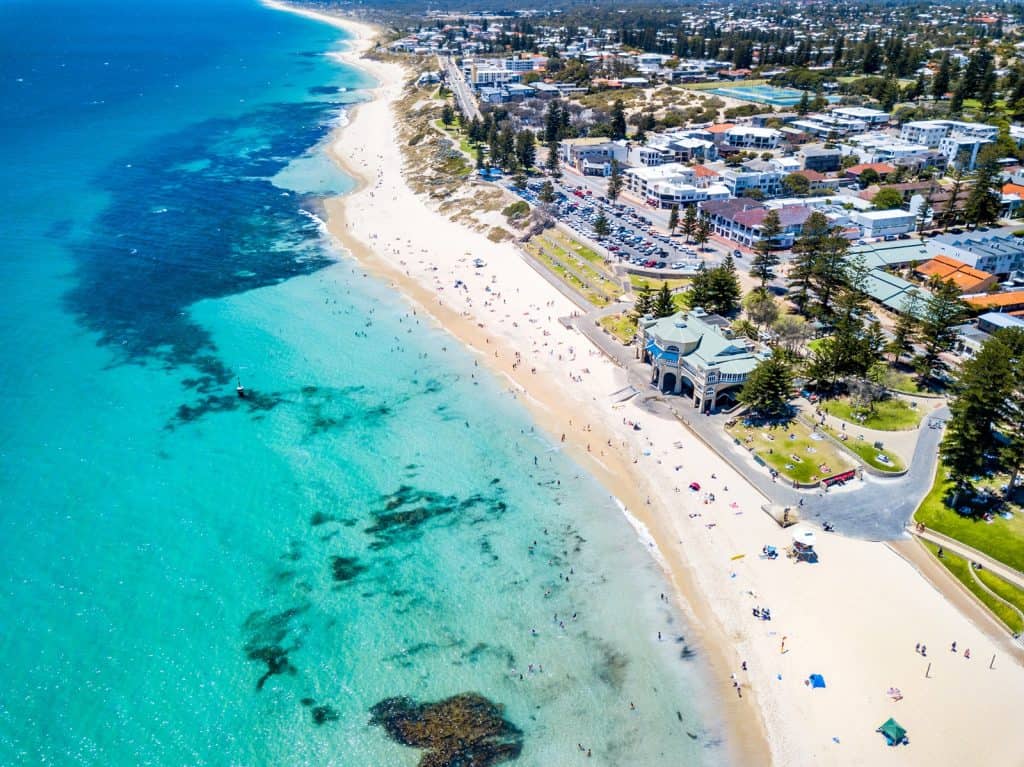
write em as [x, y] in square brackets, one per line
[718, 131]
[881, 168]
[818, 182]
[694, 354]
[592, 156]
[966, 278]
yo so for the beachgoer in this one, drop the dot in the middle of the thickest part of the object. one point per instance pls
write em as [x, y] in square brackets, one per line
[952, 647]
[967, 653]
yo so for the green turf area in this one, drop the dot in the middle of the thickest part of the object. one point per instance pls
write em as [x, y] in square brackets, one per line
[1009, 592]
[637, 281]
[1001, 539]
[961, 570]
[720, 84]
[802, 459]
[868, 453]
[814, 344]
[622, 326]
[577, 265]
[905, 382]
[893, 414]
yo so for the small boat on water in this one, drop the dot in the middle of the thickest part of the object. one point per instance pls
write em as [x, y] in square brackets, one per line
[239, 389]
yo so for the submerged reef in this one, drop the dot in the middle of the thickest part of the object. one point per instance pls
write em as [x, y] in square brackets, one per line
[466, 730]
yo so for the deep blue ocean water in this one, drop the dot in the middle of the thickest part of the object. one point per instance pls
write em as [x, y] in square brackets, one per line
[189, 578]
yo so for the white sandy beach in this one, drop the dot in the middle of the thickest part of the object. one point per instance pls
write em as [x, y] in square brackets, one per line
[855, 617]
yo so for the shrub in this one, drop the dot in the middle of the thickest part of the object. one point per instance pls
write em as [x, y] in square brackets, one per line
[516, 210]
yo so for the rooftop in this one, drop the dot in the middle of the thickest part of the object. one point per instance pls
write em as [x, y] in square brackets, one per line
[701, 341]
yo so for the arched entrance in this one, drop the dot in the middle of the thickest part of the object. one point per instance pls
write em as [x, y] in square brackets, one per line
[668, 383]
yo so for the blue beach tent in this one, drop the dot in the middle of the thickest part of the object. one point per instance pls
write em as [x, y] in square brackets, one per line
[817, 680]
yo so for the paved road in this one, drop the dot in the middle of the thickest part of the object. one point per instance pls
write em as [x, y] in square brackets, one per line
[463, 93]
[872, 508]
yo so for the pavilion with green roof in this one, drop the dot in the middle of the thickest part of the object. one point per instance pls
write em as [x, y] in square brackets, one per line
[695, 354]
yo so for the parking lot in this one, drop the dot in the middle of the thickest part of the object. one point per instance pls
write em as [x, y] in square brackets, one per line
[632, 238]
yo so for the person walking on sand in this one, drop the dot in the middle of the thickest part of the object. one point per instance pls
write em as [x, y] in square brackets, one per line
[967, 653]
[782, 647]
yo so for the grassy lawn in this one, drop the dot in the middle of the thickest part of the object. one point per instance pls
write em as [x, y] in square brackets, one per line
[570, 279]
[655, 285]
[567, 251]
[578, 248]
[893, 414]
[1001, 539]
[961, 570]
[868, 453]
[815, 344]
[905, 382]
[622, 326]
[790, 449]
[1007, 591]
[719, 84]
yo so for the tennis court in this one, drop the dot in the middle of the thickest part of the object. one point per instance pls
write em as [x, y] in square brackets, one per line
[765, 94]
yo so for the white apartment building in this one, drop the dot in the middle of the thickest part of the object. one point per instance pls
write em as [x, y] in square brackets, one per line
[931, 132]
[881, 147]
[873, 117]
[672, 184]
[962, 151]
[830, 126]
[753, 138]
[739, 180]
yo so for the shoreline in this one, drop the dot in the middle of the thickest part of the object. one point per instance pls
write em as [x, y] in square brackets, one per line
[714, 589]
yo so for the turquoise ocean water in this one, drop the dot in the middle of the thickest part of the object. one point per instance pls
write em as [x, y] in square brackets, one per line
[187, 578]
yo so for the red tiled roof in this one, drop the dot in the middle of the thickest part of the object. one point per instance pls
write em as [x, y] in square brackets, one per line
[810, 175]
[704, 172]
[1012, 298]
[1013, 189]
[720, 128]
[881, 168]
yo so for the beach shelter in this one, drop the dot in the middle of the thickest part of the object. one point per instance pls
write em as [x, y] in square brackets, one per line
[892, 731]
[817, 680]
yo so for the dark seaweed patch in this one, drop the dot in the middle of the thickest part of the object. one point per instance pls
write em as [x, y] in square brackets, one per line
[271, 639]
[345, 568]
[323, 90]
[253, 402]
[318, 518]
[465, 730]
[408, 509]
[324, 714]
[137, 273]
